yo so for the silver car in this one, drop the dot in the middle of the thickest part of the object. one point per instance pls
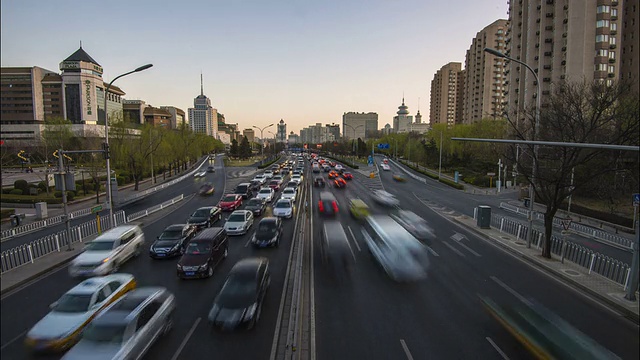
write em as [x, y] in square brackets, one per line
[417, 226]
[385, 198]
[128, 327]
[239, 222]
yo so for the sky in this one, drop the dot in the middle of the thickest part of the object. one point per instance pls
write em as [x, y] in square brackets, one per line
[304, 61]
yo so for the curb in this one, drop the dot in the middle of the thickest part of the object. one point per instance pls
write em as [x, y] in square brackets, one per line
[628, 314]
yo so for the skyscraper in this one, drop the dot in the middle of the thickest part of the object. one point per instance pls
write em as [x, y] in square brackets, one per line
[445, 95]
[203, 118]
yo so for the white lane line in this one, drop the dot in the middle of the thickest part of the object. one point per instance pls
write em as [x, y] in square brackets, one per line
[351, 250]
[511, 291]
[406, 349]
[312, 310]
[248, 242]
[13, 340]
[504, 356]
[354, 238]
[469, 249]
[433, 252]
[453, 249]
[186, 339]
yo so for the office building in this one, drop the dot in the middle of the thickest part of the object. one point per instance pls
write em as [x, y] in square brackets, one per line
[133, 111]
[281, 134]
[24, 90]
[334, 130]
[178, 118]
[357, 125]
[387, 129]
[402, 120]
[202, 116]
[446, 92]
[157, 117]
[483, 90]
[293, 138]
[249, 134]
[629, 59]
[317, 134]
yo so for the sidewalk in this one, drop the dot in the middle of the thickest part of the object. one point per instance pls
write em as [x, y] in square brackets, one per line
[593, 284]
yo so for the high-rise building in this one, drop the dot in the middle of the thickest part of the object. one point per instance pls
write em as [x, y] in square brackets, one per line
[483, 91]
[250, 134]
[202, 116]
[445, 95]
[334, 130]
[293, 138]
[281, 135]
[357, 125]
[572, 40]
[629, 57]
[30, 95]
[178, 117]
[402, 120]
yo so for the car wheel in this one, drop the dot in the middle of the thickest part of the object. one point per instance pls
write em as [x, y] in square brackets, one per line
[210, 271]
[168, 325]
[208, 224]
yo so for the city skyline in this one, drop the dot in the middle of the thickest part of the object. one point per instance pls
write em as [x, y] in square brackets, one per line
[304, 63]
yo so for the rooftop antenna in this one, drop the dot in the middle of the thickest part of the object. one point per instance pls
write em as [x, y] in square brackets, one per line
[201, 85]
[80, 44]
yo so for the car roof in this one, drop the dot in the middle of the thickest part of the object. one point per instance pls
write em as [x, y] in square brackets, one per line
[325, 195]
[247, 266]
[175, 227]
[116, 232]
[89, 286]
[205, 208]
[289, 188]
[266, 188]
[270, 219]
[240, 212]
[208, 234]
[120, 312]
[244, 184]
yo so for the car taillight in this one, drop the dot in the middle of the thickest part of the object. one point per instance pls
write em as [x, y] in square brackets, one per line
[320, 206]
[335, 206]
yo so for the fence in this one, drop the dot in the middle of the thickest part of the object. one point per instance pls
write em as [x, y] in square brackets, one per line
[28, 253]
[38, 225]
[600, 264]
[576, 227]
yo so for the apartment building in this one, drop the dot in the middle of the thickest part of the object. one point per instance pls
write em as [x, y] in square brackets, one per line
[629, 48]
[250, 134]
[446, 95]
[178, 117]
[356, 125]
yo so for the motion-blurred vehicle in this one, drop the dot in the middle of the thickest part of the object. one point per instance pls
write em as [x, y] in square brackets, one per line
[274, 184]
[315, 168]
[326, 168]
[172, 241]
[268, 232]
[384, 198]
[244, 190]
[108, 251]
[283, 208]
[268, 174]
[204, 217]
[332, 174]
[339, 183]
[358, 209]
[289, 194]
[399, 254]
[385, 167]
[203, 253]
[206, 189]
[327, 205]
[417, 226]
[211, 169]
[275, 169]
[318, 182]
[239, 302]
[230, 202]
[347, 176]
[332, 163]
[266, 193]
[335, 249]
[385, 160]
[261, 178]
[399, 177]
[127, 328]
[256, 205]
[200, 173]
[61, 327]
[239, 222]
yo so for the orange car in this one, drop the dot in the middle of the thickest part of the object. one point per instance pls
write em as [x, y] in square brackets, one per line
[340, 183]
[333, 174]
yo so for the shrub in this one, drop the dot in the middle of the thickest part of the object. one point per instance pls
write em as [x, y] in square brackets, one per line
[22, 185]
[268, 164]
[42, 186]
[16, 192]
[451, 183]
[79, 193]
[120, 180]
[70, 195]
[26, 199]
[6, 213]
[57, 194]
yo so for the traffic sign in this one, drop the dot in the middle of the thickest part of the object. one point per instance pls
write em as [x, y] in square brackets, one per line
[96, 209]
[636, 199]
[491, 174]
[383, 146]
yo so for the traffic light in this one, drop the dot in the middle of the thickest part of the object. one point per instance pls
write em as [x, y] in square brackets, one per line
[105, 149]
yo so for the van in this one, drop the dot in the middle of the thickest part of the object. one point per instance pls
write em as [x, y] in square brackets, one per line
[203, 253]
[244, 189]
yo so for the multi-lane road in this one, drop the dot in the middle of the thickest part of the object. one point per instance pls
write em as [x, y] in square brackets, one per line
[366, 317]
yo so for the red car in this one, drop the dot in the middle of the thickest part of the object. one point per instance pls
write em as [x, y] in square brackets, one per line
[230, 202]
[332, 174]
[275, 185]
[347, 176]
[340, 182]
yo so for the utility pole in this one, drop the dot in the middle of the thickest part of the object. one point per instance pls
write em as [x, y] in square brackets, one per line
[571, 194]
[440, 162]
[63, 180]
[499, 171]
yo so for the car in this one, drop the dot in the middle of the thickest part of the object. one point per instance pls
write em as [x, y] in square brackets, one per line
[268, 174]
[315, 168]
[318, 182]
[283, 208]
[296, 178]
[347, 176]
[60, 328]
[278, 178]
[200, 173]
[327, 205]
[203, 253]
[399, 177]
[239, 222]
[385, 160]
[107, 252]
[172, 241]
[211, 169]
[332, 163]
[385, 167]
[267, 194]
[274, 184]
[335, 251]
[289, 194]
[206, 189]
[239, 302]
[260, 177]
[275, 169]
[326, 168]
[230, 202]
[338, 167]
[256, 205]
[358, 209]
[255, 186]
[244, 189]
[297, 172]
[128, 327]
[332, 174]
[268, 232]
[340, 183]
[292, 184]
[384, 198]
[204, 217]
[414, 224]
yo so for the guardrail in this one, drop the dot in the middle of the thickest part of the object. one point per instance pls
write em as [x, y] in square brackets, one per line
[597, 263]
[37, 225]
[30, 252]
[575, 227]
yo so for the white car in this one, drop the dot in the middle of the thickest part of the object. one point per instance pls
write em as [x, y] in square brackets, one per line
[283, 208]
[239, 222]
[385, 167]
[60, 329]
[201, 173]
[279, 178]
[268, 174]
[266, 194]
[338, 167]
[296, 178]
[261, 178]
[289, 194]
[108, 251]
[385, 198]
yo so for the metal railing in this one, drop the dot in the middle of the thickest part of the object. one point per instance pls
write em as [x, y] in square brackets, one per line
[30, 252]
[38, 225]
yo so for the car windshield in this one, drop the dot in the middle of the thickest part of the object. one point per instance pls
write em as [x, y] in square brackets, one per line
[239, 285]
[73, 303]
[107, 333]
[283, 204]
[267, 227]
[171, 234]
[289, 191]
[265, 191]
[236, 218]
[254, 202]
[100, 245]
[274, 182]
[197, 247]
[230, 198]
[201, 213]
[241, 189]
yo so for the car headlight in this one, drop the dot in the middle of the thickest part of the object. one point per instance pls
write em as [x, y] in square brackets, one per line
[179, 266]
[254, 239]
[250, 311]
[104, 261]
[203, 267]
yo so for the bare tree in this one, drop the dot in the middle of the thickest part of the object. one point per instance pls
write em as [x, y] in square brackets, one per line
[579, 113]
[137, 150]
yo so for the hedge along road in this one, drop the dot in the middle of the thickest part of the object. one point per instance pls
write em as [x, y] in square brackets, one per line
[186, 187]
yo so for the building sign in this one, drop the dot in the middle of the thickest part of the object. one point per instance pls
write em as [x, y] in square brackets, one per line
[97, 68]
[66, 65]
[87, 85]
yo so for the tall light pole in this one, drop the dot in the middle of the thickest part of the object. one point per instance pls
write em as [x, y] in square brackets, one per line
[106, 139]
[262, 138]
[440, 161]
[354, 134]
[274, 141]
[536, 130]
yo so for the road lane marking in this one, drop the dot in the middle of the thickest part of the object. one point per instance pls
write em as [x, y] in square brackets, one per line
[351, 250]
[511, 291]
[504, 356]
[406, 349]
[469, 249]
[312, 310]
[248, 242]
[433, 252]
[13, 340]
[453, 249]
[186, 339]
[354, 238]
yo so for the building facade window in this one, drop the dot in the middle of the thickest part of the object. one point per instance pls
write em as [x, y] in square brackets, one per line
[602, 23]
[602, 38]
[602, 9]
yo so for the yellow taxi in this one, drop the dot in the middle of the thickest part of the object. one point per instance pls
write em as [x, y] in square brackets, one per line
[358, 209]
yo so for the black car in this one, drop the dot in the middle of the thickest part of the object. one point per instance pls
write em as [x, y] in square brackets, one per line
[268, 232]
[319, 182]
[206, 189]
[244, 189]
[203, 253]
[172, 241]
[256, 205]
[255, 186]
[204, 217]
[239, 302]
[211, 169]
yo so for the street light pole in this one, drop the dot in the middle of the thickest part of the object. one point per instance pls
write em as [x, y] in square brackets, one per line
[440, 162]
[262, 138]
[106, 140]
[536, 131]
